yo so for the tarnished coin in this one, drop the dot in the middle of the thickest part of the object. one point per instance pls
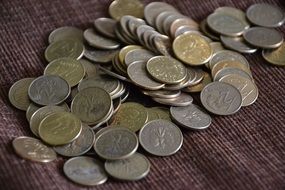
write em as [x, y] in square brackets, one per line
[106, 26]
[216, 47]
[229, 64]
[207, 31]
[116, 143]
[120, 8]
[91, 105]
[162, 113]
[191, 117]
[138, 74]
[266, 15]
[188, 22]
[162, 93]
[160, 19]
[229, 70]
[41, 113]
[18, 93]
[49, 90]
[64, 48]
[127, 49]
[85, 170]
[131, 115]
[276, 56]
[192, 49]
[226, 24]
[138, 55]
[161, 138]
[167, 70]
[237, 44]
[162, 44]
[182, 100]
[66, 33]
[99, 56]
[137, 164]
[221, 98]
[91, 69]
[187, 29]
[246, 87]
[98, 41]
[60, 128]
[79, 146]
[199, 87]
[263, 37]
[33, 149]
[69, 69]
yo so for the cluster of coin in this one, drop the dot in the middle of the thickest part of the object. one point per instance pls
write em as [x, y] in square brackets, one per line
[164, 57]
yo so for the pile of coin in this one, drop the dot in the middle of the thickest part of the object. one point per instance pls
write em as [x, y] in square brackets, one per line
[77, 108]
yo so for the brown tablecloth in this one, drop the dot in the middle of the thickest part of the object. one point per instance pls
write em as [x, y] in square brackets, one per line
[243, 151]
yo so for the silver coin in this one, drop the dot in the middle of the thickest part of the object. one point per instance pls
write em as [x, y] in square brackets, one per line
[185, 29]
[115, 75]
[124, 26]
[85, 170]
[162, 93]
[221, 98]
[169, 20]
[105, 119]
[162, 44]
[160, 18]
[191, 117]
[137, 166]
[263, 37]
[160, 138]
[133, 24]
[266, 15]
[182, 100]
[99, 56]
[79, 146]
[138, 55]
[116, 143]
[237, 44]
[125, 96]
[117, 104]
[65, 32]
[226, 24]
[49, 90]
[106, 26]
[216, 47]
[138, 74]
[31, 110]
[231, 70]
[191, 76]
[91, 69]
[207, 31]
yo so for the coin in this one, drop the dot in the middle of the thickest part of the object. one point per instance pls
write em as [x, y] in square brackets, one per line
[49, 90]
[106, 26]
[183, 22]
[91, 105]
[187, 29]
[166, 70]
[158, 23]
[91, 69]
[119, 8]
[221, 98]
[85, 170]
[18, 93]
[98, 41]
[263, 37]
[266, 15]
[99, 56]
[125, 50]
[192, 49]
[137, 164]
[207, 31]
[276, 56]
[162, 113]
[162, 44]
[64, 48]
[229, 70]
[199, 87]
[237, 44]
[131, 115]
[33, 149]
[116, 143]
[160, 138]
[60, 128]
[216, 47]
[79, 146]
[247, 88]
[69, 69]
[226, 64]
[66, 33]
[182, 100]
[191, 117]
[138, 74]
[162, 93]
[138, 55]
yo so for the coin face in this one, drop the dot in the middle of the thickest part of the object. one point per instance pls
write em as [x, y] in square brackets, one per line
[91, 105]
[69, 69]
[33, 149]
[120, 8]
[161, 138]
[137, 166]
[106, 26]
[276, 56]
[85, 170]
[207, 31]
[221, 98]
[263, 37]
[130, 115]
[166, 70]
[79, 146]
[66, 33]
[266, 15]
[64, 48]
[116, 143]
[18, 93]
[138, 55]
[182, 100]
[49, 90]
[60, 128]
[229, 64]
[99, 56]
[192, 49]
[162, 45]
[191, 117]
[237, 44]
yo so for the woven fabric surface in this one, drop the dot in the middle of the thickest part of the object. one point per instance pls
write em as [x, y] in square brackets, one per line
[243, 151]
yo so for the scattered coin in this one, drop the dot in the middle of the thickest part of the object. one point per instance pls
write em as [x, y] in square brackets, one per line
[199, 87]
[91, 69]
[66, 33]
[119, 8]
[162, 93]
[276, 56]
[238, 44]
[138, 55]
[229, 64]
[182, 100]
[99, 56]
[106, 26]
[231, 70]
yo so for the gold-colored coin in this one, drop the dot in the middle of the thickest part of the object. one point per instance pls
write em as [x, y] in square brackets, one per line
[67, 68]
[276, 56]
[207, 79]
[123, 52]
[60, 128]
[119, 8]
[192, 49]
[18, 94]
[228, 63]
[160, 113]
[91, 69]
[131, 115]
[64, 48]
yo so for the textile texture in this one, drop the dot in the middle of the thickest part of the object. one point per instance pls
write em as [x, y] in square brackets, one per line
[242, 151]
